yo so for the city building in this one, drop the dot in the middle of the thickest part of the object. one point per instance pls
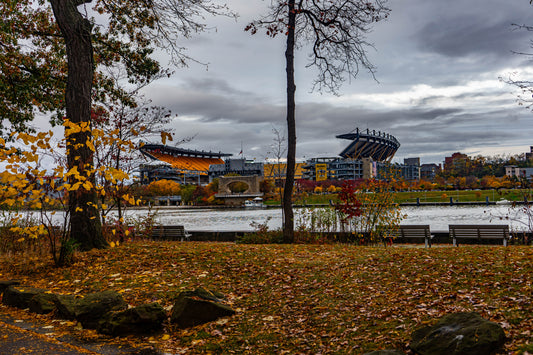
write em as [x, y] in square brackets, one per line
[529, 156]
[335, 168]
[456, 164]
[410, 170]
[240, 167]
[277, 172]
[521, 173]
[429, 171]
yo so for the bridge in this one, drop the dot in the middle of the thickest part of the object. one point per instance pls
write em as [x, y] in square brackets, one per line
[237, 199]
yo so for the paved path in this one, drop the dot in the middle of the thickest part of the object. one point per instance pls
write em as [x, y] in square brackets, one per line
[18, 337]
[15, 340]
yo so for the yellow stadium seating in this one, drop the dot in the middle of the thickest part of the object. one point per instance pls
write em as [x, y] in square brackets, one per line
[183, 163]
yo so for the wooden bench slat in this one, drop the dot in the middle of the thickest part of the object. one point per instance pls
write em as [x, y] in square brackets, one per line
[415, 231]
[479, 231]
[170, 232]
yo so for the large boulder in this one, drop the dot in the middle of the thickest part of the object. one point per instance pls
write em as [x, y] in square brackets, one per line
[66, 306]
[6, 283]
[91, 309]
[458, 333]
[19, 296]
[197, 307]
[42, 303]
[144, 319]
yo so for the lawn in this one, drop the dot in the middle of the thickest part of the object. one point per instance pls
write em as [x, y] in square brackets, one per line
[430, 196]
[301, 298]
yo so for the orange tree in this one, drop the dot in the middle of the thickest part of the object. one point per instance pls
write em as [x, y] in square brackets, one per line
[164, 187]
[53, 59]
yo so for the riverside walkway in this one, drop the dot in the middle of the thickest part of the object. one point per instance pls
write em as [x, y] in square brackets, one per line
[22, 337]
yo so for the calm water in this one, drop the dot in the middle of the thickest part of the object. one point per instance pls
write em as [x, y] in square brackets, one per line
[438, 217]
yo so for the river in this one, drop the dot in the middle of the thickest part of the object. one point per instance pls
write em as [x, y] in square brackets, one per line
[438, 217]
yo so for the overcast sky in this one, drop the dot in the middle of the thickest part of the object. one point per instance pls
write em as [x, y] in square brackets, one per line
[438, 67]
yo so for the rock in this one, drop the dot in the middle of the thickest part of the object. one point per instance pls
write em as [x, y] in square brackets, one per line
[6, 283]
[385, 352]
[197, 307]
[144, 319]
[19, 296]
[91, 309]
[42, 303]
[66, 306]
[458, 333]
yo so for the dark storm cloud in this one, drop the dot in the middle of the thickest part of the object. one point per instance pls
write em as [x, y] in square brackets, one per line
[220, 102]
[461, 37]
[214, 100]
[455, 48]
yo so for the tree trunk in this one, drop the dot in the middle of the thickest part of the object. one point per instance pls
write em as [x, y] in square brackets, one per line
[85, 224]
[288, 220]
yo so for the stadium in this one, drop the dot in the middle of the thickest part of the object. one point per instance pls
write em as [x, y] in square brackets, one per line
[182, 165]
[378, 146]
[363, 158]
[368, 153]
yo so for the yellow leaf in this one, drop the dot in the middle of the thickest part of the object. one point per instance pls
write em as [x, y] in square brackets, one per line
[90, 145]
[165, 136]
[112, 244]
[165, 337]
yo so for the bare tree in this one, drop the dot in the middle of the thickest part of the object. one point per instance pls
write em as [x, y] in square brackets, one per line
[524, 98]
[279, 149]
[335, 31]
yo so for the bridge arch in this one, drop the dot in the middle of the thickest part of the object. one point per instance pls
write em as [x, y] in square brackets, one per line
[224, 183]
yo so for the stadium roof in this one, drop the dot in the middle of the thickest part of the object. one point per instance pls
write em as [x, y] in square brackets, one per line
[379, 146]
[182, 152]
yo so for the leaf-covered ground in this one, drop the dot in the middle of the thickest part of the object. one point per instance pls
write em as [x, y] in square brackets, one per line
[302, 298]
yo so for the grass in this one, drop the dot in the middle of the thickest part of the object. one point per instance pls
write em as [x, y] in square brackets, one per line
[428, 196]
[302, 298]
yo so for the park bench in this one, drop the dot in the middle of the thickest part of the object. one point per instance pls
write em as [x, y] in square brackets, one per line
[479, 231]
[170, 233]
[414, 231]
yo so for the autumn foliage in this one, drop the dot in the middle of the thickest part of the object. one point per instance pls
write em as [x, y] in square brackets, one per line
[164, 187]
[368, 208]
[26, 184]
[299, 299]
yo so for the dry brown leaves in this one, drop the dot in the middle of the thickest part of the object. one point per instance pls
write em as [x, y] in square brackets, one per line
[305, 298]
